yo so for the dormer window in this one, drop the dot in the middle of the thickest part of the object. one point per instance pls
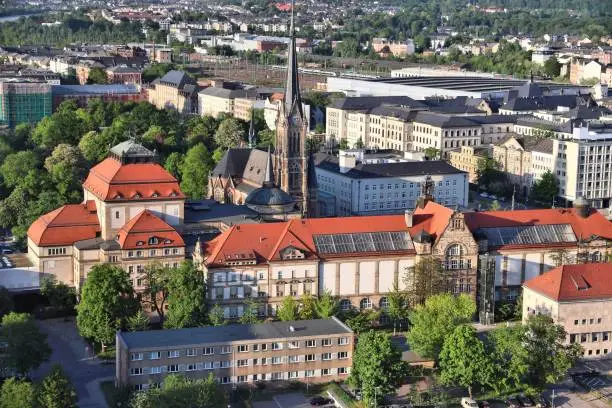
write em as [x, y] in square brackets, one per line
[173, 194]
[167, 241]
[153, 241]
[155, 194]
[139, 243]
[117, 196]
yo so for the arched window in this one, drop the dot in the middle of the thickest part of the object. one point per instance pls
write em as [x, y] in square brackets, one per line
[345, 305]
[384, 303]
[294, 176]
[365, 304]
[454, 257]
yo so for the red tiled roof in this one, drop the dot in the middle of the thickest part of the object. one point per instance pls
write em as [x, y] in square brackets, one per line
[112, 180]
[66, 225]
[433, 219]
[594, 225]
[574, 282]
[144, 226]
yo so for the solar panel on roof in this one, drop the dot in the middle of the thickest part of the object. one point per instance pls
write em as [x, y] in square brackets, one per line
[530, 234]
[362, 242]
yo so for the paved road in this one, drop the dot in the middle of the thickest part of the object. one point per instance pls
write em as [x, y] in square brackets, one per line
[69, 351]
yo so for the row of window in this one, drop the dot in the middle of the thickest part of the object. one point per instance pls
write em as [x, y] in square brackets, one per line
[242, 348]
[588, 321]
[153, 252]
[57, 251]
[593, 337]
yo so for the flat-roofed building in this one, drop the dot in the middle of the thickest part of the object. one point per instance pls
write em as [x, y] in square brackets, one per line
[579, 298]
[310, 351]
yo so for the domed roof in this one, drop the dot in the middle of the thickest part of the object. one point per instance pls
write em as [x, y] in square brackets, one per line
[268, 195]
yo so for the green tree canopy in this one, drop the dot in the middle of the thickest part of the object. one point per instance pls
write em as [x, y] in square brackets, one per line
[97, 76]
[17, 394]
[216, 316]
[437, 319]
[156, 278]
[326, 305]
[179, 391]
[426, 278]
[545, 189]
[16, 165]
[288, 309]
[174, 163]
[187, 298]
[107, 301]
[138, 322]
[26, 346]
[250, 313]
[463, 359]
[230, 133]
[60, 295]
[56, 390]
[377, 365]
[67, 168]
[194, 171]
[6, 301]
[307, 309]
[552, 67]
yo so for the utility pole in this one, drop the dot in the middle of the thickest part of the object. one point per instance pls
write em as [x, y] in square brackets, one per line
[552, 399]
[513, 191]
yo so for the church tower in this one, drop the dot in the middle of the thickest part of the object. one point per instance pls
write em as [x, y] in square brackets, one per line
[290, 156]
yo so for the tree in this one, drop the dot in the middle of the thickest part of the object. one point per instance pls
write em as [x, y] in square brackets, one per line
[156, 278]
[249, 313]
[66, 165]
[358, 144]
[343, 145]
[16, 165]
[64, 126]
[437, 319]
[495, 206]
[60, 295]
[94, 146]
[397, 308]
[361, 321]
[173, 164]
[426, 278]
[187, 298]
[505, 350]
[552, 67]
[201, 129]
[216, 316]
[6, 301]
[97, 76]
[138, 322]
[487, 171]
[545, 189]
[288, 309]
[26, 347]
[179, 391]
[378, 368]
[107, 301]
[432, 153]
[326, 305]
[17, 394]
[194, 171]
[229, 133]
[307, 309]
[56, 390]
[463, 359]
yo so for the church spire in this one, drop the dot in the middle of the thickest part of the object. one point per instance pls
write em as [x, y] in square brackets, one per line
[293, 99]
[252, 135]
[269, 174]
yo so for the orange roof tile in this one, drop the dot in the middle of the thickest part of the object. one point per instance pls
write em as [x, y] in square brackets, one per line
[574, 282]
[433, 219]
[66, 225]
[112, 180]
[595, 225]
[138, 232]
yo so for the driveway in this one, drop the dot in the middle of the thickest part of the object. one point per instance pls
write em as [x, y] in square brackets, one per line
[69, 350]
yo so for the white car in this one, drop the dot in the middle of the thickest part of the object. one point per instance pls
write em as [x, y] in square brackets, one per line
[468, 403]
[484, 195]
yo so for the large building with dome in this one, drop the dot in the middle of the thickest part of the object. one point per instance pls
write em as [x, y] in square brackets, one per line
[131, 216]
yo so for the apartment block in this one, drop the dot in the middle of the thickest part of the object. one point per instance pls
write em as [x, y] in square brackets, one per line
[24, 101]
[579, 298]
[309, 351]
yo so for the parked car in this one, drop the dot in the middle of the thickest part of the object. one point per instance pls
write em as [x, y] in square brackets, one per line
[513, 402]
[484, 404]
[542, 402]
[484, 195]
[319, 400]
[7, 251]
[526, 401]
[468, 403]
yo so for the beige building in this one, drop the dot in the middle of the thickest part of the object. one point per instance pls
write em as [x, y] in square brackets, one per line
[579, 298]
[216, 100]
[130, 216]
[467, 159]
[175, 90]
[444, 132]
[308, 351]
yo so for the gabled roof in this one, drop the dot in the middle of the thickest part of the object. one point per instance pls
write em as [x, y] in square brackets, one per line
[432, 219]
[443, 121]
[66, 225]
[177, 79]
[147, 231]
[568, 283]
[244, 163]
[113, 180]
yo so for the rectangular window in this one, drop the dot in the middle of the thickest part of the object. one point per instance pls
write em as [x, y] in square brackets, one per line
[326, 342]
[326, 356]
[155, 355]
[342, 355]
[208, 365]
[277, 376]
[277, 346]
[136, 371]
[294, 359]
[264, 347]
[207, 351]
[293, 374]
[242, 378]
[311, 343]
[174, 353]
[191, 367]
[173, 368]
[243, 348]
[226, 349]
[310, 357]
[191, 352]
[277, 360]
[343, 341]
[136, 356]
[325, 371]
[342, 370]
[309, 373]
[242, 363]
[156, 370]
[294, 344]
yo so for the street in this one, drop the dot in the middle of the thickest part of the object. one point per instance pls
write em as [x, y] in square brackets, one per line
[69, 351]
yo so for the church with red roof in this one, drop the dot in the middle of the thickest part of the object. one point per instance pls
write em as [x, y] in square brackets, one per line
[132, 213]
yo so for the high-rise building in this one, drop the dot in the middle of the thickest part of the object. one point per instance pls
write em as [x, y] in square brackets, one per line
[24, 101]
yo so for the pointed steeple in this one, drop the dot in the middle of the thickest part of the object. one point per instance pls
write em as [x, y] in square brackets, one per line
[293, 100]
[252, 135]
[269, 175]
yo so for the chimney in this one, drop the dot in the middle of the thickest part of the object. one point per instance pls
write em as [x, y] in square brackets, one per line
[408, 217]
[582, 207]
[346, 162]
